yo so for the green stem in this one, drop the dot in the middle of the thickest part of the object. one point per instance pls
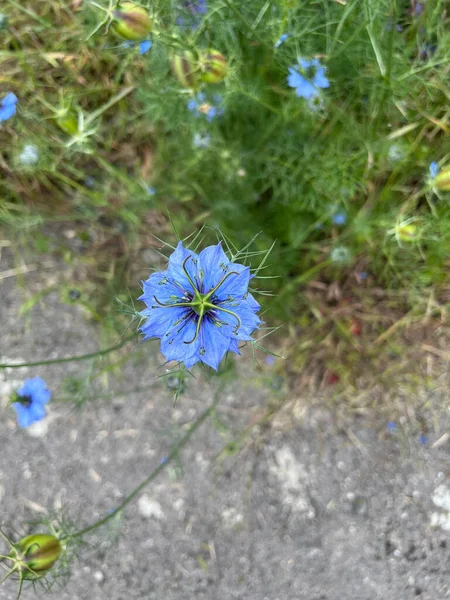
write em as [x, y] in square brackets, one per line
[173, 454]
[53, 361]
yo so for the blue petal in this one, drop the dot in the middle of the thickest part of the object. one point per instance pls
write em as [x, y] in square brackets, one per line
[192, 105]
[234, 346]
[320, 80]
[163, 287]
[251, 302]
[305, 64]
[434, 169]
[175, 343]
[175, 268]
[6, 112]
[294, 79]
[306, 90]
[161, 320]
[9, 100]
[235, 286]
[213, 263]
[231, 328]
[213, 345]
[145, 46]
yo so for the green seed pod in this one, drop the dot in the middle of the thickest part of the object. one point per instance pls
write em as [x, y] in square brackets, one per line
[407, 232]
[442, 180]
[186, 69]
[131, 22]
[35, 554]
[213, 66]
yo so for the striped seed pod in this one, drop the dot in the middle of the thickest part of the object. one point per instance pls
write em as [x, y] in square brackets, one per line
[213, 66]
[186, 69]
[131, 22]
[36, 554]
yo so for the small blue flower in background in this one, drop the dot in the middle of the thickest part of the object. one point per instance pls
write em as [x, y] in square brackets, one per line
[434, 169]
[8, 106]
[339, 218]
[29, 401]
[423, 439]
[144, 46]
[362, 275]
[200, 307]
[193, 11]
[201, 140]
[201, 107]
[391, 425]
[29, 155]
[308, 77]
[151, 191]
[281, 39]
[341, 255]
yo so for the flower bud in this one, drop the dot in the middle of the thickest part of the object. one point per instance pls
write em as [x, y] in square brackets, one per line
[131, 22]
[407, 232]
[186, 69]
[36, 554]
[442, 180]
[213, 66]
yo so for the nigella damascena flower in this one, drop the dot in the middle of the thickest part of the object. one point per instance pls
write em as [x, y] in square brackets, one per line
[200, 106]
[307, 78]
[8, 106]
[192, 11]
[200, 307]
[29, 401]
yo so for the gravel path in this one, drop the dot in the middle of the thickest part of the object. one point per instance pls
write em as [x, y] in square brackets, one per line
[309, 505]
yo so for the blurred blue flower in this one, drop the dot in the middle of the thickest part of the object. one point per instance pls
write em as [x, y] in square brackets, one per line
[200, 307]
[339, 218]
[434, 169]
[144, 46]
[201, 140]
[391, 425]
[423, 439]
[362, 275]
[29, 155]
[192, 13]
[151, 191]
[8, 106]
[29, 401]
[308, 77]
[201, 107]
[282, 39]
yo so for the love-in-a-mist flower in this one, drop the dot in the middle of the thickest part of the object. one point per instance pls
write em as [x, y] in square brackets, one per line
[192, 13]
[210, 109]
[8, 106]
[29, 401]
[200, 307]
[308, 78]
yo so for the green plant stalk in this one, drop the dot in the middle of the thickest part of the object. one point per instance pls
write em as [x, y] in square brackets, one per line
[172, 455]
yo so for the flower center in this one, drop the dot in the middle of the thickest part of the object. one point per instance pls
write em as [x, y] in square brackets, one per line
[25, 401]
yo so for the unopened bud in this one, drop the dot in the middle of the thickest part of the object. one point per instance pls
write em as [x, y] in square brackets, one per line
[442, 180]
[407, 232]
[186, 69]
[36, 554]
[131, 22]
[213, 66]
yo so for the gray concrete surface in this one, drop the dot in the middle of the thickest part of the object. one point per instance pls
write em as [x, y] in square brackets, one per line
[319, 504]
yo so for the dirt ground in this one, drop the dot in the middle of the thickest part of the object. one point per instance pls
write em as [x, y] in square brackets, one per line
[322, 502]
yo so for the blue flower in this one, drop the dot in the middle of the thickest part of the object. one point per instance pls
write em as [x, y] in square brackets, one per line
[193, 11]
[144, 46]
[29, 401]
[151, 191]
[200, 307]
[200, 107]
[307, 78]
[434, 169]
[281, 39]
[339, 218]
[8, 106]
